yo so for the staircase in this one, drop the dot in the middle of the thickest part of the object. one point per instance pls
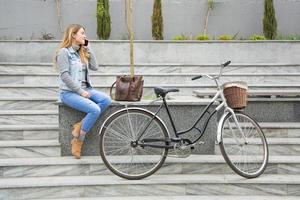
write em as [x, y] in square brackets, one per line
[31, 166]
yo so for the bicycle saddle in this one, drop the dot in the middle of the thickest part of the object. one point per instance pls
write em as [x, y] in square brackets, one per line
[163, 91]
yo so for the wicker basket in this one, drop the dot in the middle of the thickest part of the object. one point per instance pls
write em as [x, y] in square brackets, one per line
[236, 94]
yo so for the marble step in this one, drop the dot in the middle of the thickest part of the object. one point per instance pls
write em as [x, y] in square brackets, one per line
[273, 93]
[28, 103]
[17, 90]
[187, 197]
[93, 165]
[40, 132]
[29, 148]
[118, 68]
[20, 117]
[166, 185]
[281, 129]
[29, 132]
[40, 79]
[277, 146]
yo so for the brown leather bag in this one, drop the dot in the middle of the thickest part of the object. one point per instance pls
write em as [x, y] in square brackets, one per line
[127, 88]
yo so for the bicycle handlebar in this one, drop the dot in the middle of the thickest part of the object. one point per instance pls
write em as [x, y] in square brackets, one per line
[226, 63]
[222, 66]
[196, 77]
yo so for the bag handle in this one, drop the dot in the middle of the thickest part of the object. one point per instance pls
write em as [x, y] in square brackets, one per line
[110, 92]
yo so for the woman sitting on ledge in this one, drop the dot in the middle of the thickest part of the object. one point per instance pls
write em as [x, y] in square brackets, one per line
[74, 59]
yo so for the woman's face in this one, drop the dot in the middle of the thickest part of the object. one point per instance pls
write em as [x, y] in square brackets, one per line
[79, 37]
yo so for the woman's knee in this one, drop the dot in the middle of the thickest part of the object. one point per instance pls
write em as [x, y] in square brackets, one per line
[107, 101]
[95, 110]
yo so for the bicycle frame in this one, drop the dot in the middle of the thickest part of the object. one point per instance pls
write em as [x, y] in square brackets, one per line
[177, 134]
[219, 94]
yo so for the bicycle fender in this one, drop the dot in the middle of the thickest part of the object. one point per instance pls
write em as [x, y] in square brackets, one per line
[219, 129]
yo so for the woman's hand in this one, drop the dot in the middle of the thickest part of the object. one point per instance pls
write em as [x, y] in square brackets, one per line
[86, 94]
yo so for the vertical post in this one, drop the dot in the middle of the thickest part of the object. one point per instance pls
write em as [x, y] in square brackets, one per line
[128, 14]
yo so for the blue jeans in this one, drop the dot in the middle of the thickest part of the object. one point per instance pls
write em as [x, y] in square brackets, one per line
[93, 106]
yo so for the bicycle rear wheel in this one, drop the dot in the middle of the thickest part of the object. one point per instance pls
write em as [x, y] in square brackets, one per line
[120, 150]
[247, 156]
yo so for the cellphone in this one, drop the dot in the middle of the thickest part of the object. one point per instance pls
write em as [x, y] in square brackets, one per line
[86, 42]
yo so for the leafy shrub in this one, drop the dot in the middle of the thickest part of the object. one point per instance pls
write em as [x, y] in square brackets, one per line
[257, 37]
[288, 37]
[181, 37]
[202, 37]
[157, 21]
[269, 21]
[225, 37]
[103, 19]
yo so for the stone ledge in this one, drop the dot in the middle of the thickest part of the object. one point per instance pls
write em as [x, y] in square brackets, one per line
[184, 110]
[187, 197]
[154, 179]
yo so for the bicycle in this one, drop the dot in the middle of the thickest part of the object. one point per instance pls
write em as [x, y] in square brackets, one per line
[130, 134]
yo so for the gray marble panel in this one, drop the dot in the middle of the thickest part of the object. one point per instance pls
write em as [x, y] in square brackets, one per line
[7, 79]
[196, 168]
[134, 190]
[171, 168]
[292, 149]
[27, 105]
[236, 189]
[271, 168]
[263, 111]
[28, 119]
[184, 68]
[11, 135]
[166, 78]
[186, 79]
[38, 171]
[26, 152]
[99, 169]
[41, 135]
[293, 190]
[41, 193]
[277, 149]
[275, 132]
[28, 69]
[288, 168]
[29, 91]
[294, 133]
[41, 80]
[53, 90]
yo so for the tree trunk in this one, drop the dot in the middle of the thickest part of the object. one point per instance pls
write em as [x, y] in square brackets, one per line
[128, 16]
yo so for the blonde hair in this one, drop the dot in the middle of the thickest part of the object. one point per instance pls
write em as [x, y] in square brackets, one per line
[67, 42]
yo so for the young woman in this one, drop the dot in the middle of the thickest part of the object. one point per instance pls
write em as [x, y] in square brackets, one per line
[74, 59]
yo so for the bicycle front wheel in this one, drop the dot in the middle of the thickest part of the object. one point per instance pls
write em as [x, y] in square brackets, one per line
[245, 150]
[121, 150]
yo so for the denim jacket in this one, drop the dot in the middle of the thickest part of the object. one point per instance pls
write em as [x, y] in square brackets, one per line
[70, 69]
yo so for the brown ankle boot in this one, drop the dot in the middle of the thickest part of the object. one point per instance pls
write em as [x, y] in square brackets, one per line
[76, 129]
[76, 147]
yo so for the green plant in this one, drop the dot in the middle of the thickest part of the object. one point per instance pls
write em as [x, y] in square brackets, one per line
[288, 37]
[181, 37]
[157, 21]
[103, 19]
[257, 37]
[269, 21]
[225, 37]
[202, 37]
